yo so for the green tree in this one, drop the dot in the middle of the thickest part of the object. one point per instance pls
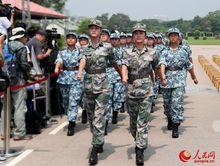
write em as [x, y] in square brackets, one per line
[214, 20]
[197, 23]
[197, 34]
[120, 22]
[83, 27]
[105, 19]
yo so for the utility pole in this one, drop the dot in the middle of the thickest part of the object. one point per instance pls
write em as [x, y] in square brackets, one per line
[26, 14]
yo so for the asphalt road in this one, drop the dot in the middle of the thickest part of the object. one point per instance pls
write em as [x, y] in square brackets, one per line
[199, 134]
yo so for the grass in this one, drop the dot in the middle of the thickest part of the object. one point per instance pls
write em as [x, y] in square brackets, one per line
[209, 41]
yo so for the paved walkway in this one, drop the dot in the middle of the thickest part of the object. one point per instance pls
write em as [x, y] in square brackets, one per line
[200, 131]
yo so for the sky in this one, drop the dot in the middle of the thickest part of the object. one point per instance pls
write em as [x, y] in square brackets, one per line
[143, 9]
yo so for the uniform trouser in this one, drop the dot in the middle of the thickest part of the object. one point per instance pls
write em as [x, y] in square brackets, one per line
[95, 106]
[139, 111]
[156, 88]
[116, 99]
[173, 103]
[20, 108]
[71, 95]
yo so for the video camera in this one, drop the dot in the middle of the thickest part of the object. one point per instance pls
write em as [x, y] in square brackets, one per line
[51, 43]
[52, 34]
[6, 9]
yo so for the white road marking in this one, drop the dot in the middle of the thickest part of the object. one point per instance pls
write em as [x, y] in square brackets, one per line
[216, 126]
[57, 129]
[20, 157]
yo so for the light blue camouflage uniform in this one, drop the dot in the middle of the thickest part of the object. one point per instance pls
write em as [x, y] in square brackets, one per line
[122, 34]
[70, 87]
[176, 62]
[186, 47]
[159, 48]
[129, 35]
[117, 89]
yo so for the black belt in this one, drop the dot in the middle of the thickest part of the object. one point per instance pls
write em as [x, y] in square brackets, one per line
[174, 68]
[95, 71]
[71, 68]
[132, 78]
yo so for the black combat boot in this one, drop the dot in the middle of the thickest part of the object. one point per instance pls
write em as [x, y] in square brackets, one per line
[99, 149]
[122, 110]
[115, 117]
[71, 127]
[93, 159]
[175, 133]
[139, 156]
[169, 124]
[106, 127]
[84, 116]
[152, 108]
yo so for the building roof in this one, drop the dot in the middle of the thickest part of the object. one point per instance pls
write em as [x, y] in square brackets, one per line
[37, 11]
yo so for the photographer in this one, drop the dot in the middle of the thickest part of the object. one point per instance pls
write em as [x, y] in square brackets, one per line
[18, 70]
[5, 23]
[37, 43]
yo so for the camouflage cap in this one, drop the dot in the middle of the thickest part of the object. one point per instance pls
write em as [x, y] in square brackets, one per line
[106, 31]
[158, 35]
[71, 33]
[181, 35]
[114, 36]
[139, 27]
[97, 23]
[122, 34]
[150, 35]
[129, 34]
[84, 36]
[173, 30]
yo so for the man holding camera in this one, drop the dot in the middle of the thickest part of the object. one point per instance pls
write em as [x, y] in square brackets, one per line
[37, 43]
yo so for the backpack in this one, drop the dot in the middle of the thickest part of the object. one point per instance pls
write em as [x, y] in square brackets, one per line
[11, 63]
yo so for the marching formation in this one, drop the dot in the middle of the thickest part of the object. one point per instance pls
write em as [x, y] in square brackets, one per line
[110, 73]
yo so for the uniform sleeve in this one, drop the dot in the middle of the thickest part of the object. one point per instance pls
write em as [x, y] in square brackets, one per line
[188, 50]
[188, 64]
[125, 59]
[111, 56]
[82, 53]
[162, 58]
[59, 58]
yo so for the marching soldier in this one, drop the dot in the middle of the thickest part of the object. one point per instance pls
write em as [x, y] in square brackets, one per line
[174, 62]
[129, 40]
[70, 87]
[123, 40]
[136, 65]
[83, 40]
[95, 59]
[105, 35]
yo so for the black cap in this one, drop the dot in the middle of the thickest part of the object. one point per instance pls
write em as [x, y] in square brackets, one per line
[42, 32]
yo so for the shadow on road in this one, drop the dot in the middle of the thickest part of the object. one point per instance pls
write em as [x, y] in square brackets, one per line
[108, 150]
[150, 151]
[182, 129]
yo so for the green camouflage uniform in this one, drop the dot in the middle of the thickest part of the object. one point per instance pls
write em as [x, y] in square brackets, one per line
[139, 89]
[96, 92]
